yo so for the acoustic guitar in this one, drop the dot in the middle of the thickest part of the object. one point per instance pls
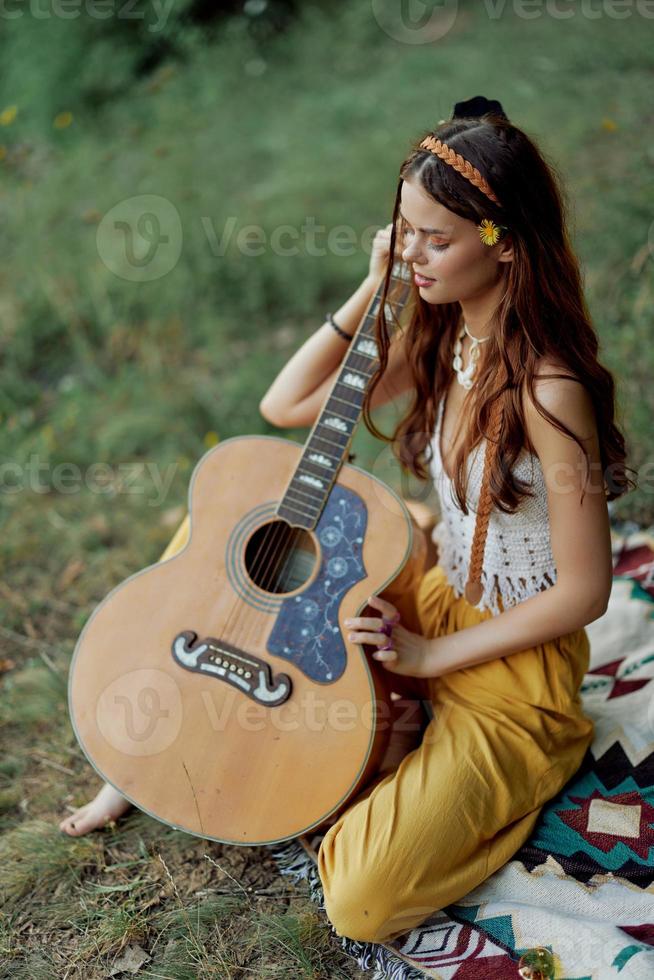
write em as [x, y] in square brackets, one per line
[217, 689]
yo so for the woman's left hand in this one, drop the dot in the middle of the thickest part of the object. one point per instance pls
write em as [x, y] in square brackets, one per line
[409, 652]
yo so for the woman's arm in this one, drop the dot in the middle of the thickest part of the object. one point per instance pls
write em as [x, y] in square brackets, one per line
[299, 391]
[284, 404]
[580, 537]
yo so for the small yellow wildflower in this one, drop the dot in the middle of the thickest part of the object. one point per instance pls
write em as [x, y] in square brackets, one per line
[62, 120]
[210, 439]
[609, 124]
[49, 436]
[8, 115]
[489, 232]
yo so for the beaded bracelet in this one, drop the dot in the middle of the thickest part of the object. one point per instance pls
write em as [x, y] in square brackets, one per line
[339, 330]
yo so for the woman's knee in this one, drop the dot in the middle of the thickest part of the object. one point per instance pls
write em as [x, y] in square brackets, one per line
[356, 890]
[368, 899]
[358, 909]
[372, 910]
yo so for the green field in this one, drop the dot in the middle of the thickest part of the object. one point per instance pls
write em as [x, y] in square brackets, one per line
[304, 128]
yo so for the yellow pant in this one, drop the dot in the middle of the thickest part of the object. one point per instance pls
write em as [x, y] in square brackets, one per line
[505, 737]
[178, 540]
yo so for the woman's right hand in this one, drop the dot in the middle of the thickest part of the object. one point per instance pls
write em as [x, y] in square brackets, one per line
[381, 247]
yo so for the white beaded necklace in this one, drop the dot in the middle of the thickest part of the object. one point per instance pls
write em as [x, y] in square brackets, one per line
[464, 377]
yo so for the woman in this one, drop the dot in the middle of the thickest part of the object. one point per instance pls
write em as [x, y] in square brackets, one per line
[498, 318]
[499, 357]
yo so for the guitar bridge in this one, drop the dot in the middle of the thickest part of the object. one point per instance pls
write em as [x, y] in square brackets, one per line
[222, 660]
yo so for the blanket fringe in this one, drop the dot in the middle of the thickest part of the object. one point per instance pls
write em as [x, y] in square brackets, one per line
[292, 859]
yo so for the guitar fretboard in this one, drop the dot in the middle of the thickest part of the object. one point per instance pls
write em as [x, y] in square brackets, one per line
[328, 444]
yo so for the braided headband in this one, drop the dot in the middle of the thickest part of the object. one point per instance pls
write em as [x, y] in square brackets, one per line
[464, 167]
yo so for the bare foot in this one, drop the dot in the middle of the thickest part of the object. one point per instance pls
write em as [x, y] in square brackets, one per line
[108, 805]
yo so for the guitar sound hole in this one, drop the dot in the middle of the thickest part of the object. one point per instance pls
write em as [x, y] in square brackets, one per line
[280, 558]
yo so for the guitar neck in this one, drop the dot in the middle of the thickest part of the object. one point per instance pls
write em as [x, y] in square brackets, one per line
[327, 447]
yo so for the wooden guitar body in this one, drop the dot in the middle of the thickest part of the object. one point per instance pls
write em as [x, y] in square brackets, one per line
[217, 690]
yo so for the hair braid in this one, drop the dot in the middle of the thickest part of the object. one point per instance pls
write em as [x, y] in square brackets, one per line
[474, 588]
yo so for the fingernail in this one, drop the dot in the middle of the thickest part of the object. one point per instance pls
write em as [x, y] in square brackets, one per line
[351, 636]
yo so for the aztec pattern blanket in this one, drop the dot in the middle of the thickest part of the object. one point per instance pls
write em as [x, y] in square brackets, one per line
[581, 889]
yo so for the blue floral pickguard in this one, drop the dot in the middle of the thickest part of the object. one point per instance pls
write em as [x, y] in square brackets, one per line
[306, 631]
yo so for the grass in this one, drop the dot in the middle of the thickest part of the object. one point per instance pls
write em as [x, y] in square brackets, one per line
[118, 388]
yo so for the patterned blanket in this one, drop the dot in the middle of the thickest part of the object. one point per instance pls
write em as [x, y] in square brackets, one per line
[576, 902]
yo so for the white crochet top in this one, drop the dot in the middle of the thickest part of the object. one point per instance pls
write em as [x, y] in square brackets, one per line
[518, 560]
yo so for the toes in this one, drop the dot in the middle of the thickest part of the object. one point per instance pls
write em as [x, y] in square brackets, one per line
[78, 823]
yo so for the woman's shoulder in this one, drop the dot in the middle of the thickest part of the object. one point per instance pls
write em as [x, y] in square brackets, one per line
[561, 393]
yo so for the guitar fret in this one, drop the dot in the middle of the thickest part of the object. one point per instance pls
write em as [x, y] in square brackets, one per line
[336, 459]
[335, 446]
[309, 479]
[345, 402]
[365, 357]
[344, 392]
[355, 379]
[286, 506]
[293, 489]
[330, 421]
[365, 348]
[366, 370]
[351, 367]
[332, 412]
[358, 362]
[299, 508]
[334, 422]
[319, 460]
[321, 472]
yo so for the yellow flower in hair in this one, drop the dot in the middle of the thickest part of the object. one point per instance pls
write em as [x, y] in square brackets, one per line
[489, 232]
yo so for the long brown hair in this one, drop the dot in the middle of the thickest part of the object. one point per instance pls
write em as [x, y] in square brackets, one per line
[543, 313]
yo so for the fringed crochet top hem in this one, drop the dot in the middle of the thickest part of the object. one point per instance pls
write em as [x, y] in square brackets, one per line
[518, 560]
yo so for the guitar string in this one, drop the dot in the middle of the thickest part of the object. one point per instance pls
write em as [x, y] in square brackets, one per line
[251, 623]
[265, 580]
[264, 547]
[290, 543]
[294, 539]
[236, 621]
[283, 545]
